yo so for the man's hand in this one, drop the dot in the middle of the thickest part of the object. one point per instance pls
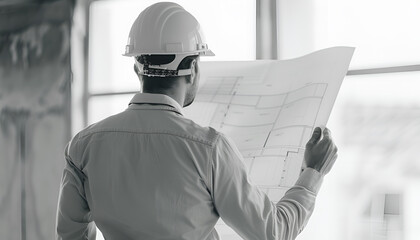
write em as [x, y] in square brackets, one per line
[320, 154]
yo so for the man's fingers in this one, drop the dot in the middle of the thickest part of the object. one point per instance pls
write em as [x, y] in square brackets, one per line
[327, 133]
[316, 135]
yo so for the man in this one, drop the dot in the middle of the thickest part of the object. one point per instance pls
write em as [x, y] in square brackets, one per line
[150, 173]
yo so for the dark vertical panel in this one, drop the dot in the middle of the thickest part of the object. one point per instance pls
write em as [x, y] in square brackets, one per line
[35, 81]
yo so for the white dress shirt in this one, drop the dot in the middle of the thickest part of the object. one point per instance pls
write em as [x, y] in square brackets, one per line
[150, 173]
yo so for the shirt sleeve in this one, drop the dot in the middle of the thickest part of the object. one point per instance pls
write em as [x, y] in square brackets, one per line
[248, 210]
[73, 214]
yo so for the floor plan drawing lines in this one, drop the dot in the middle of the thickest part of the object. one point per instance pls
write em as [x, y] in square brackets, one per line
[266, 128]
[269, 109]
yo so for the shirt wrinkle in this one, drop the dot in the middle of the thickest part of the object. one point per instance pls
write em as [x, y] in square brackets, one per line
[192, 138]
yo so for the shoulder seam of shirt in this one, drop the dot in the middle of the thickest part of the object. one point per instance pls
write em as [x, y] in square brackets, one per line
[210, 143]
[214, 136]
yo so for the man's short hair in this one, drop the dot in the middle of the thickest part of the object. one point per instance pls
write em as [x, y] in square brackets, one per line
[160, 59]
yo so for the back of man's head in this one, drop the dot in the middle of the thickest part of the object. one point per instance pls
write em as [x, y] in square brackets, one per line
[165, 41]
[157, 80]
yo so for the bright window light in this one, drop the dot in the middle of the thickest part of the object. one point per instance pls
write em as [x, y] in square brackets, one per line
[101, 107]
[385, 33]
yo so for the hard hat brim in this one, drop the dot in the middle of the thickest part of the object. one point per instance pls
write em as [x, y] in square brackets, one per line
[208, 52]
[205, 53]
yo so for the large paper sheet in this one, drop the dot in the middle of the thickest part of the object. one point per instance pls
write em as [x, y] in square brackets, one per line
[270, 108]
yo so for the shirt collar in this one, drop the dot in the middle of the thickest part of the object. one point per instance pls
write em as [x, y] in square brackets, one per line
[158, 99]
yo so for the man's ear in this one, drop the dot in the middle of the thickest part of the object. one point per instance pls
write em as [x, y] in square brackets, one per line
[194, 71]
[136, 69]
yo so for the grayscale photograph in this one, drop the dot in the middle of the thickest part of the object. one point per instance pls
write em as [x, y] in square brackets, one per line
[209, 120]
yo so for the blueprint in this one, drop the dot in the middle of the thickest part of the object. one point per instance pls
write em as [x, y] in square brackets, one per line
[269, 108]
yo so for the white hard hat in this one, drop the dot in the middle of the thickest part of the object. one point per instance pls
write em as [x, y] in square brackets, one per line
[166, 28]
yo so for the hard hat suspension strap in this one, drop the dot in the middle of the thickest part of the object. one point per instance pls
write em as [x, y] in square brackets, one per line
[161, 65]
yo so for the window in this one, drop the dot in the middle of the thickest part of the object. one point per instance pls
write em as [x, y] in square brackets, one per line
[383, 31]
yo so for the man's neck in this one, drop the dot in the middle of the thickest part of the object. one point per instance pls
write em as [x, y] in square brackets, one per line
[177, 95]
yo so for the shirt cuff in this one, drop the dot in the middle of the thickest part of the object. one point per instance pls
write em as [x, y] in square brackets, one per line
[310, 179]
